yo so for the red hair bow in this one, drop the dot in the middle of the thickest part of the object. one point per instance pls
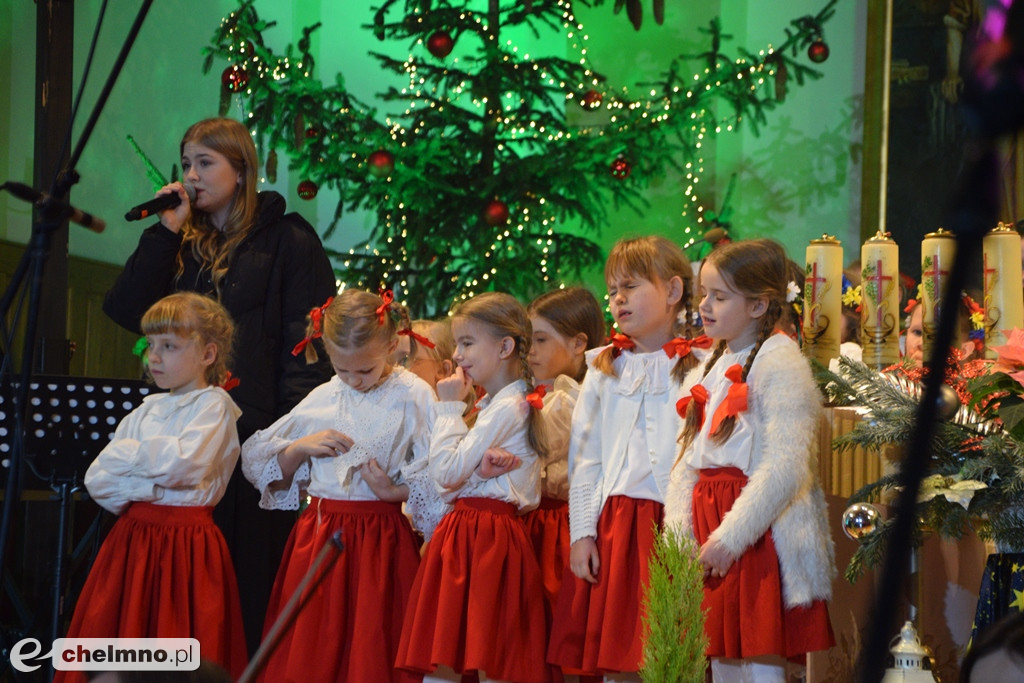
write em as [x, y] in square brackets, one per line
[316, 319]
[735, 401]
[230, 382]
[620, 342]
[388, 296]
[699, 395]
[682, 347]
[420, 339]
[536, 398]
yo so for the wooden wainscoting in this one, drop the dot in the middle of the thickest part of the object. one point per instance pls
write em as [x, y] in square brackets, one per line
[101, 348]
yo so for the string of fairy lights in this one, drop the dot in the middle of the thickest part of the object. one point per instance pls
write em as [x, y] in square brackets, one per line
[687, 110]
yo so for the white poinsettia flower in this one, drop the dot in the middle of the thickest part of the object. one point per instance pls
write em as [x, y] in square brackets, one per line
[951, 488]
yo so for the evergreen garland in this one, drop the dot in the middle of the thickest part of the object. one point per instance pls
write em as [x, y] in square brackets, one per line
[479, 163]
[673, 619]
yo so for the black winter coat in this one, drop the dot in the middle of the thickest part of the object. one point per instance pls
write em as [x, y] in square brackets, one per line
[278, 273]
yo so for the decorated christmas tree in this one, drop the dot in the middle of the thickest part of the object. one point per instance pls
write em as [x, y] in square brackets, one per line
[494, 168]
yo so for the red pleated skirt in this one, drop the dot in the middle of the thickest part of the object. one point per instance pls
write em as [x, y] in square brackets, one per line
[597, 627]
[548, 529]
[163, 572]
[746, 616]
[349, 629]
[478, 603]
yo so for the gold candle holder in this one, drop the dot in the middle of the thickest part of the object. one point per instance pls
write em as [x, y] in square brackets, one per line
[823, 299]
[1001, 275]
[880, 301]
[938, 249]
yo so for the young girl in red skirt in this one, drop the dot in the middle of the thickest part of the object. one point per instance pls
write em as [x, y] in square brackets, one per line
[746, 482]
[621, 448]
[349, 447]
[477, 607]
[164, 569]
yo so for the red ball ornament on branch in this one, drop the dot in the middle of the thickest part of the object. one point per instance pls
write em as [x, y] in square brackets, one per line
[381, 163]
[307, 189]
[591, 100]
[620, 168]
[818, 50]
[440, 44]
[496, 213]
[312, 132]
[234, 78]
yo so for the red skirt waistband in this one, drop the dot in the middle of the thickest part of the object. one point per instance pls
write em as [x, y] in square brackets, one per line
[378, 507]
[178, 515]
[498, 507]
[721, 473]
[548, 503]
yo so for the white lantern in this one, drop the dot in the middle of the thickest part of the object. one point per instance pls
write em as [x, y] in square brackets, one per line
[908, 656]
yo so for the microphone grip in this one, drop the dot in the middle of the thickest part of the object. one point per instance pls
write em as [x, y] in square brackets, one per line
[153, 206]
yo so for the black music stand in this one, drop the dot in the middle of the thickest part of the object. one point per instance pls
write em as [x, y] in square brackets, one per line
[68, 421]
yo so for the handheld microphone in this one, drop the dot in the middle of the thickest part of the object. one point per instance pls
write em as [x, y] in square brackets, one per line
[158, 204]
[54, 209]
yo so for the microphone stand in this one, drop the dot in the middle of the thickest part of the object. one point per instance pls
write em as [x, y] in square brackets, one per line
[303, 592]
[50, 216]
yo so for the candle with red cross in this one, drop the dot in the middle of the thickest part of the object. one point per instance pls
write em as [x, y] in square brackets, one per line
[1004, 299]
[880, 301]
[938, 249]
[823, 299]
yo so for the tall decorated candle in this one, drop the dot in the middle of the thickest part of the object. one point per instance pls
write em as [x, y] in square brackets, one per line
[938, 249]
[823, 299]
[880, 302]
[1004, 298]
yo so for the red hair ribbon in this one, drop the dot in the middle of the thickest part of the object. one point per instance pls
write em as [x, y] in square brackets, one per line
[420, 339]
[699, 395]
[316, 319]
[536, 399]
[230, 382]
[388, 296]
[682, 347]
[620, 342]
[735, 401]
[911, 305]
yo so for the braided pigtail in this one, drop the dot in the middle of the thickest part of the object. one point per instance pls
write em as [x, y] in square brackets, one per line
[314, 330]
[534, 434]
[687, 361]
[691, 424]
[765, 330]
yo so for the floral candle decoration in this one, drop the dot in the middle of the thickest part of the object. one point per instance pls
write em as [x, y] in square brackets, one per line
[880, 303]
[823, 306]
[938, 249]
[1001, 277]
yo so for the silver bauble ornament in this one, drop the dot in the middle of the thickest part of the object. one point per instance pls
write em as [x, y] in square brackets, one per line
[948, 402]
[860, 519]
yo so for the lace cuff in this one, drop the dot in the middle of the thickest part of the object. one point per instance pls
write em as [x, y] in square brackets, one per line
[281, 499]
[584, 508]
[257, 451]
[424, 505]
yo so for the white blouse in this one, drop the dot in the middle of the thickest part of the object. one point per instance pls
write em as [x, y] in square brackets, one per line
[174, 449]
[624, 431]
[557, 422]
[456, 450]
[389, 423]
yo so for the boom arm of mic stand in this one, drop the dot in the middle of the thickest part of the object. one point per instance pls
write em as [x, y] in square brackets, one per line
[326, 558]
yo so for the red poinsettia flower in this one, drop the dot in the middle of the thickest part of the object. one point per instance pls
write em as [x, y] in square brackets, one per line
[1011, 355]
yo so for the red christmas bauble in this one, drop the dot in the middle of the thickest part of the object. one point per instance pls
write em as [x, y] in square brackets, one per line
[620, 168]
[591, 100]
[381, 163]
[496, 212]
[818, 51]
[307, 189]
[234, 78]
[312, 132]
[440, 44]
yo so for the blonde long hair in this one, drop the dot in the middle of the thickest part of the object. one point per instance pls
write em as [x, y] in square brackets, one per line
[211, 247]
